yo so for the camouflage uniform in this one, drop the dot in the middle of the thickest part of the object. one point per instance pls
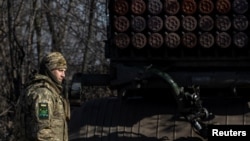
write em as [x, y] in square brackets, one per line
[42, 110]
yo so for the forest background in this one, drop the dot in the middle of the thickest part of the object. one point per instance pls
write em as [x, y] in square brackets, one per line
[31, 28]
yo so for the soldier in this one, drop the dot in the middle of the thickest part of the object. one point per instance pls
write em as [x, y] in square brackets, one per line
[43, 109]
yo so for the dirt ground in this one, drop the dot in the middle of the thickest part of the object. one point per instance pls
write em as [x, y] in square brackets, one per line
[113, 119]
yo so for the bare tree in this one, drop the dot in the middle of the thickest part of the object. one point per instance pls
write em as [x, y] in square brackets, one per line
[31, 28]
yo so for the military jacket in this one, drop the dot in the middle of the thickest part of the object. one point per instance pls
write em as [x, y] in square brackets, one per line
[42, 112]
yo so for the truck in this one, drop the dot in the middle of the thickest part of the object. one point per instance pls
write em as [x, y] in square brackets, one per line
[179, 67]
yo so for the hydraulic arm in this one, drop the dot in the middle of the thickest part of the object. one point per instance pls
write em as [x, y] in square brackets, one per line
[187, 99]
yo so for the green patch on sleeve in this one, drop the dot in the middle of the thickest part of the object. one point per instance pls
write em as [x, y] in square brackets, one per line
[43, 112]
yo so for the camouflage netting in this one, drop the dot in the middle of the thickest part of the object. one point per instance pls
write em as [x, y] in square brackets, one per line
[93, 92]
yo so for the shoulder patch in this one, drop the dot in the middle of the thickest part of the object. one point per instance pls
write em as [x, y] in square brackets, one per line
[43, 112]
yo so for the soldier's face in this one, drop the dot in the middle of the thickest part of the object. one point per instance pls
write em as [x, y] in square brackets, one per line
[59, 74]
